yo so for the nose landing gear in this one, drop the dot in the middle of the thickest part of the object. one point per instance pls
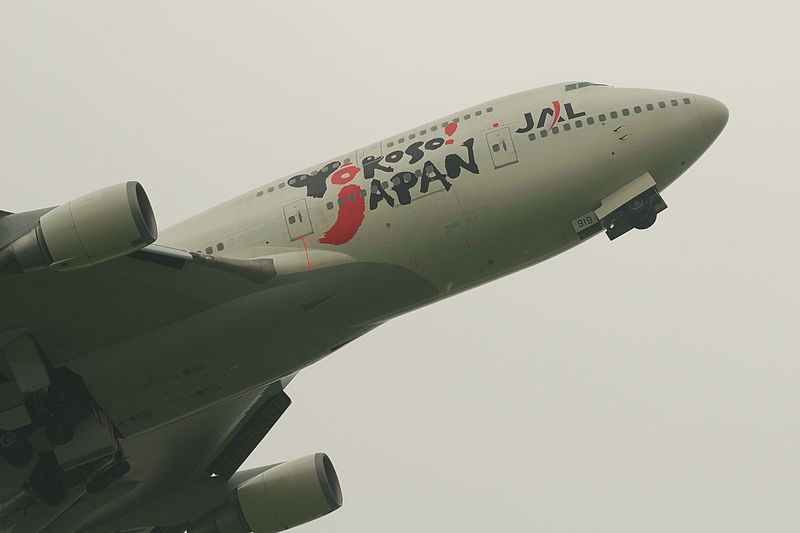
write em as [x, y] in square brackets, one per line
[634, 205]
[640, 212]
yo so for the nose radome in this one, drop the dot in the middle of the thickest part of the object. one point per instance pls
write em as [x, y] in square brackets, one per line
[713, 113]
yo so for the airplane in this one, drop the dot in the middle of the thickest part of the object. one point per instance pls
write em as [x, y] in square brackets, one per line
[138, 369]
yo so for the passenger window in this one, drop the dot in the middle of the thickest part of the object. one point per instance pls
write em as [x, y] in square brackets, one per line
[434, 127]
[495, 147]
[673, 102]
[578, 124]
[555, 130]
[353, 197]
[260, 193]
[363, 193]
[271, 189]
[209, 250]
[390, 144]
[478, 113]
[455, 120]
[418, 173]
[626, 112]
[423, 132]
[466, 117]
[489, 109]
[614, 114]
[340, 201]
[637, 109]
[385, 184]
[531, 136]
[220, 246]
[401, 140]
[395, 180]
[346, 160]
[567, 127]
[543, 133]
[650, 107]
[281, 185]
[291, 219]
[444, 124]
[412, 136]
[687, 101]
[329, 205]
[601, 118]
[590, 120]
[662, 105]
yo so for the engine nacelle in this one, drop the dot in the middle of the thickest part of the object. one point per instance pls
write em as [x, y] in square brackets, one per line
[280, 498]
[94, 228]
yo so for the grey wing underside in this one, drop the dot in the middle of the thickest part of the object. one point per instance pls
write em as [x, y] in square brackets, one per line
[117, 300]
[79, 311]
[216, 441]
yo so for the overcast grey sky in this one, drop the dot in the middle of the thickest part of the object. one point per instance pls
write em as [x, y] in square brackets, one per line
[652, 384]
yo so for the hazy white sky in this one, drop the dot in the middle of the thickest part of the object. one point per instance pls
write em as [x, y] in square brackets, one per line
[651, 384]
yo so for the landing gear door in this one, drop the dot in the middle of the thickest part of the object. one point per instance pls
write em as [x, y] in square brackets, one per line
[501, 147]
[298, 220]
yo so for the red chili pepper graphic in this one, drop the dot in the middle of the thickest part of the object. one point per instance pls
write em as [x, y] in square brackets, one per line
[350, 217]
[556, 114]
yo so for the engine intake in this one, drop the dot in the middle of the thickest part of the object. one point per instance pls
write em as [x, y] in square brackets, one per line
[94, 228]
[280, 498]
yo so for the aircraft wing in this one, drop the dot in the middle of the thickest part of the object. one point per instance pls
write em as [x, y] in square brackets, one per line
[123, 297]
[74, 312]
[216, 440]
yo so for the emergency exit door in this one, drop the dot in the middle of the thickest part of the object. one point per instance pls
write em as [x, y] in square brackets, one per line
[297, 219]
[501, 147]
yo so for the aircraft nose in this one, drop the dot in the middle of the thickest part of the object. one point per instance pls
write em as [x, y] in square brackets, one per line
[713, 113]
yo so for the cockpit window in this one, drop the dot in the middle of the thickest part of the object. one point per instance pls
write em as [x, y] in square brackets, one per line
[581, 85]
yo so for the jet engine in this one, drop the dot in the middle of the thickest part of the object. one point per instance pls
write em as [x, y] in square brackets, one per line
[94, 228]
[286, 495]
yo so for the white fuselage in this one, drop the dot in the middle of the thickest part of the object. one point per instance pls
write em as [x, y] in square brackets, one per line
[392, 226]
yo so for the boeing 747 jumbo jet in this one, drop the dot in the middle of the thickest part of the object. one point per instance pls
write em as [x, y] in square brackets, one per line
[137, 375]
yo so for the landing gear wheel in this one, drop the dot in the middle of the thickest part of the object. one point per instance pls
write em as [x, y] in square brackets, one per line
[638, 207]
[60, 397]
[646, 221]
[8, 439]
[640, 212]
[59, 431]
[21, 456]
[99, 483]
[119, 469]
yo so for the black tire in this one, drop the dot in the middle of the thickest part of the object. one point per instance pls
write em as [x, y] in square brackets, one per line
[119, 469]
[644, 222]
[8, 440]
[21, 456]
[59, 431]
[639, 207]
[99, 483]
[60, 397]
